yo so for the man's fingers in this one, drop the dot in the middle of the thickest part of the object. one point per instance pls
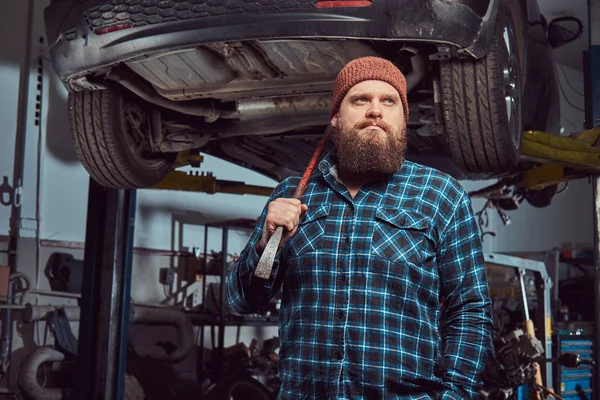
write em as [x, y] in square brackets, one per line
[294, 202]
[287, 218]
[290, 225]
[279, 207]
[284, 212]
[294, 205]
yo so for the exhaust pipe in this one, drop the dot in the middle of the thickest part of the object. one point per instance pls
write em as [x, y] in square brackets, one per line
[207, 109]
[28, 374]
[316, 105]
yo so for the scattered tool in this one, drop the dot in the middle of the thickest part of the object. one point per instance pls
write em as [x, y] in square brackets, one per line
[265, 264]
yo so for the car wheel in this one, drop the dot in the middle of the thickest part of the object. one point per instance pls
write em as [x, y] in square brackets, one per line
[481, 100]
[111, 137]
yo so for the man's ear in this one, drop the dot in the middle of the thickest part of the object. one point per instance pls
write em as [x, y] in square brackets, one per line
[334, 120]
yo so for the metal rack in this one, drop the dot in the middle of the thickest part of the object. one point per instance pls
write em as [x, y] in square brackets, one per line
[223, 320]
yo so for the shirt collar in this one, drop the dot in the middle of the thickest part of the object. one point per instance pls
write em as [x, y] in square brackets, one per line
[328, 168]
[328, 162]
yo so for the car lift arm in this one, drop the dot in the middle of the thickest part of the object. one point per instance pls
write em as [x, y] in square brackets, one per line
[564, 157]
[555, 158]
[205, 182]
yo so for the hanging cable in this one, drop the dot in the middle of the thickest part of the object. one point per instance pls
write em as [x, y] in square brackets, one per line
[569, 82]
[575, 128]
[562, 90]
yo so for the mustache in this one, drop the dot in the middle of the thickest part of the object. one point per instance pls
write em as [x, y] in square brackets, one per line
[370, 122]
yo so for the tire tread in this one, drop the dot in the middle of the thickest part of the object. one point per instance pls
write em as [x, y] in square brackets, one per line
[95, 118]
[475, 112]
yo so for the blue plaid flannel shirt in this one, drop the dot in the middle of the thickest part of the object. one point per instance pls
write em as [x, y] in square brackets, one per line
[384, 295]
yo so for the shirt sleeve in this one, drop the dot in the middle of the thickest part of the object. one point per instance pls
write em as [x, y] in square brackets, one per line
[245, 293]
[467, 308]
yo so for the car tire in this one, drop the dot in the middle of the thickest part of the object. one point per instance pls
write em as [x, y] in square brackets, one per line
[111, 138]
[483, 135]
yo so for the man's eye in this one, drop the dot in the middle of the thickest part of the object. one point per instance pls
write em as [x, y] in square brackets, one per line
[361, 99]
[389, 101]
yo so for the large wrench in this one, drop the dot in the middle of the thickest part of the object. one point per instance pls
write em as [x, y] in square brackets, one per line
[265, 264]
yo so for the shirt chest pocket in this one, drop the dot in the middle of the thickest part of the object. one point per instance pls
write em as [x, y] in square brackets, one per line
[311, 230]
[399, 235]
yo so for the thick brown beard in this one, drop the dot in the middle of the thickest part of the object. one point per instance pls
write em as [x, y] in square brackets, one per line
[370, 152]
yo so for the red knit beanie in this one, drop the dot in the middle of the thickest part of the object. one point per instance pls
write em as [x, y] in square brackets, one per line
[364, 69]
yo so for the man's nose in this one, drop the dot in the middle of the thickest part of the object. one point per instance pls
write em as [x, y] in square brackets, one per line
[374, 111]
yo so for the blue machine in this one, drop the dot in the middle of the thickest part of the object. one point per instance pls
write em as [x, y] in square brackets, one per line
[574, 383]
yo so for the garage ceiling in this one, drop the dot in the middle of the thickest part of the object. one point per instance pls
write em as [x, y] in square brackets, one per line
[572, 53]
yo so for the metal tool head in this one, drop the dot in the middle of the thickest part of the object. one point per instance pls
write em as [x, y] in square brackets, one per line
[265, 265]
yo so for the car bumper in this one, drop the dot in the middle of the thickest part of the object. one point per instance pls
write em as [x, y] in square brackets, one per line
[88, 35]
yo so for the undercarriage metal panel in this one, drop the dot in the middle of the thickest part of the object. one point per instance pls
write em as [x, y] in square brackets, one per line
[237, 70]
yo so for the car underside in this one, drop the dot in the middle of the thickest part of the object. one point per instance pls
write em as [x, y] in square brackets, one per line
[250, 81]
[265, 106]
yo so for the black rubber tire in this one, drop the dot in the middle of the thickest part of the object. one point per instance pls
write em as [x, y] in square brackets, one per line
[97, 119]
[473, 98]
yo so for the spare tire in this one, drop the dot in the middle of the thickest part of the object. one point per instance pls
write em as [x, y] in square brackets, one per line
[482, 99]
[111, 137]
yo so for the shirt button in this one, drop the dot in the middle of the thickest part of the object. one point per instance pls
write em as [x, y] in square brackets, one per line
[343, 277]
[340, 314]
[338, 355]
[348, 213]
[347, 239]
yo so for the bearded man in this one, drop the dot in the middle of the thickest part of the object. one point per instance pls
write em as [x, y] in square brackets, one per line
[384, 287]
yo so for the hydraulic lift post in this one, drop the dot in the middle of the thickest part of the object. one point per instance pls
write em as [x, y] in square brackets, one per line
[106, 294]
